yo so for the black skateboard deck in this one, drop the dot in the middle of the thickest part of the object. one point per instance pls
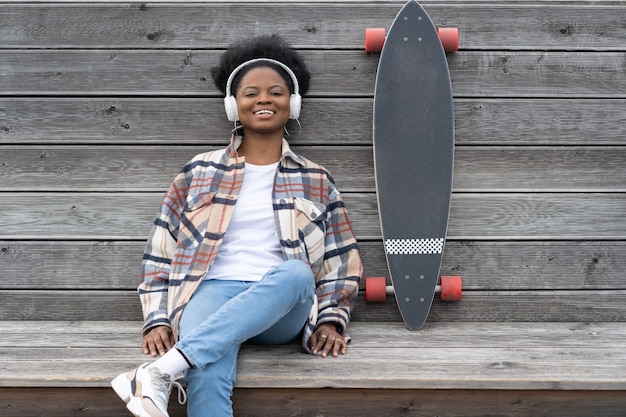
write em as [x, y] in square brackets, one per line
[413, 157]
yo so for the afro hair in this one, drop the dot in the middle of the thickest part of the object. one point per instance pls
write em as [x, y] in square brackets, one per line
[265, 46]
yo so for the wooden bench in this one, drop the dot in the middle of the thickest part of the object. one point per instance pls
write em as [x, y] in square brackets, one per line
[101, 103]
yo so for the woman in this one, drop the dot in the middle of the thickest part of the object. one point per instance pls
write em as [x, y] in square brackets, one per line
[253, 242]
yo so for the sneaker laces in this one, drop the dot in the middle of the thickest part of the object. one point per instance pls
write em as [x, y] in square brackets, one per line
[166, 383]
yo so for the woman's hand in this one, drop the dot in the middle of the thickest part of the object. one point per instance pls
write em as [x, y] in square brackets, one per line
[327, 339]
[158, 341]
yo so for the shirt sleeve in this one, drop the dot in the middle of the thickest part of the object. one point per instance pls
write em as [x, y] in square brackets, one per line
[338, 281]
[159, 251]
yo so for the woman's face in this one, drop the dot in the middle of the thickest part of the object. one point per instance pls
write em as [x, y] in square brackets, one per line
[263, 101]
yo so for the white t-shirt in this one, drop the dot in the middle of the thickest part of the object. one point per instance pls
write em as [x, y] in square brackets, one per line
[251, 245]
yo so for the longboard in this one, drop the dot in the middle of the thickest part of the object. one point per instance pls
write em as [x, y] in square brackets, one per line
[413, 158]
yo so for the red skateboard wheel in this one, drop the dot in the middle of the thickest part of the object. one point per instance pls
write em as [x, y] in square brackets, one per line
[374, 39]
[451, 288]
[449, 39]
[375, 289]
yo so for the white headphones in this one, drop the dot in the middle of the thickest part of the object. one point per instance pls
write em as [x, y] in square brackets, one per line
[230, 103]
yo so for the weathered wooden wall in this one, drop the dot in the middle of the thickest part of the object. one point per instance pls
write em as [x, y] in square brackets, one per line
[102, 102]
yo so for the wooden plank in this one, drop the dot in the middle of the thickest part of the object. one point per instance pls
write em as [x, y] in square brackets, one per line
[100, 402]
[473, 216]
[185, 121]
[480, 369]
[149, 168]
[537, 74]
[549, 25]
[495, 266]
[509, 306]
[35, 335]
[201, 121]
[552, 368]
[176, 73]
[477, 169]
[523, 354]
[404, 403]
[483, 306]
[481, 335]
[535, 169]
[112, 265]
[536, 216]
[64, 402]
[536, 265]
[537, 122]
[450, 368]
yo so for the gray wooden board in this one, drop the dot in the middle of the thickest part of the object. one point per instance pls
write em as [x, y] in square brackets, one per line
[523, 265]
[565, 356]
[261, 402]
[127, 334]
[413, 157]
[201, 121]
[561, 26]
[488, 306]
[151, 168]
[473, 216]
[428, 403]
[512, 306]
[179, 73]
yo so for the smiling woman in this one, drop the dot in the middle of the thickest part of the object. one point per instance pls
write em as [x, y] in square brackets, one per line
[253, 243]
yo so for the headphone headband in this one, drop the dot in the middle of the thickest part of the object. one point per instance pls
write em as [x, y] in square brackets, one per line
[233, 74]
[230, 103]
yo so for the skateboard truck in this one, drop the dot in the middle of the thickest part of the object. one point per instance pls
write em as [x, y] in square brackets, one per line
[375, 39]
[450, 288]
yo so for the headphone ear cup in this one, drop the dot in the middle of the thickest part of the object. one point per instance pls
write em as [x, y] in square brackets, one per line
[230, 105]
[295, 105]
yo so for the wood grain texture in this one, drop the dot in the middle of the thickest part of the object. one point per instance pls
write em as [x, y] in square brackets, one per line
[473, 216]
[480, 306]
[120, 168]
[486, 25]
[102, 402]
[178, 73]
[484, 265]
[102, 102]
[502, 356]
[325, 121]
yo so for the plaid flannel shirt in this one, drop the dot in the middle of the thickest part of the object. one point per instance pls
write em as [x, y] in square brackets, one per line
[312, 224]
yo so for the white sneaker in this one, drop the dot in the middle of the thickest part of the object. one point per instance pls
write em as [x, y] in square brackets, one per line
[146, 390]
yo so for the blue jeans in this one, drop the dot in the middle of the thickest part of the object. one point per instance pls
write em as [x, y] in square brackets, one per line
[221, 315]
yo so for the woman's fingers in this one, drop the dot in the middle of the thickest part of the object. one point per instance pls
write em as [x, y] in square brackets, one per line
[328, 341]
[157, 341]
